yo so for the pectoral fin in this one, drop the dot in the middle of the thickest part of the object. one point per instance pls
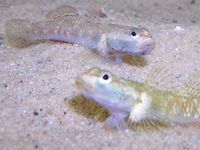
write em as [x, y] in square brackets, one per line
[146, 125]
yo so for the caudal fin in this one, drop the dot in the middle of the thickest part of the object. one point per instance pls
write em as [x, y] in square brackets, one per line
[17, 32]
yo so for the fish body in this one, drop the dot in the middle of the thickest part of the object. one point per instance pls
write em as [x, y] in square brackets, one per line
[136, 101]
[104, 38]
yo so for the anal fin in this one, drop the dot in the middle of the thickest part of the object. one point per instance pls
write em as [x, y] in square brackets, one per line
[146, 125]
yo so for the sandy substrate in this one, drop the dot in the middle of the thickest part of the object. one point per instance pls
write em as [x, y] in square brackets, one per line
[37, 83]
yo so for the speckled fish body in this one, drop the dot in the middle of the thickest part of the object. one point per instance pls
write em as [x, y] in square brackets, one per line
[104, 38]
[137, 101]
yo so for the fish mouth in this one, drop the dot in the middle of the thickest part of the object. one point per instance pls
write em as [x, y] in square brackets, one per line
[147, 47]
[81, 84]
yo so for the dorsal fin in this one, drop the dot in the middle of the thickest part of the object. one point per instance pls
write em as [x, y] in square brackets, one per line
[95, 11]
[192, 87]
[62, 12]
[70, 13]
[162, 76]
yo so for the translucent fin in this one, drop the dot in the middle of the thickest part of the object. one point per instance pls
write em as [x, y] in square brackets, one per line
[118, 60]
[191, 88]
[17, 32]
[146, 125]
[86, 56]
[66, 11]
[92, 56]
[116, 123]
[96, 11]
[70, 13]
[162, 76]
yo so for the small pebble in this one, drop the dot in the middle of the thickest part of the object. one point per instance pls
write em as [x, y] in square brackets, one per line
[179, 29]
[177, 49]
[193, 21]
[1, 41]
[36, 146]
[35, 113]
[192, 1]
[174, 21]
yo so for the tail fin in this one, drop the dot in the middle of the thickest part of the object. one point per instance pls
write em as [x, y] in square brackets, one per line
[17, 32]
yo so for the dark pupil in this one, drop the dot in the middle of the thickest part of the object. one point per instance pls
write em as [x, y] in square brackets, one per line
[105, 77]
[133, 33]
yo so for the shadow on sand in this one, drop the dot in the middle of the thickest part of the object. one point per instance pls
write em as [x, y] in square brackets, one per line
[137, 61]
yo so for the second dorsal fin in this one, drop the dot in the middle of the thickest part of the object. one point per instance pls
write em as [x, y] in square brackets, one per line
[191, 88]
[162, 76]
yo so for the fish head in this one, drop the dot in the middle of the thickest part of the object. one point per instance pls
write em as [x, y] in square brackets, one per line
[130, 41]
[104, 88]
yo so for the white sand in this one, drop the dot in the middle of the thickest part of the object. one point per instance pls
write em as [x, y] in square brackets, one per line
[40, 79]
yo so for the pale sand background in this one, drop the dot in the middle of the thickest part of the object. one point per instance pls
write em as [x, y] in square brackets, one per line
[40, 79]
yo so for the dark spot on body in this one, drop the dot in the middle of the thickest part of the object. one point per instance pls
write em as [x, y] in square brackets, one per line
[21, 81]
[41, 109]
[65, 112]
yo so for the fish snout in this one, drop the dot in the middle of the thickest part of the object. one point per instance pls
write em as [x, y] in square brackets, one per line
[145, 33]
[83, 82]
[147, 47]
[79, 82]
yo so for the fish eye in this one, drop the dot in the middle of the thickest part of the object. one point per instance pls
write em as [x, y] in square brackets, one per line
[105, 77]
[133, 33]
